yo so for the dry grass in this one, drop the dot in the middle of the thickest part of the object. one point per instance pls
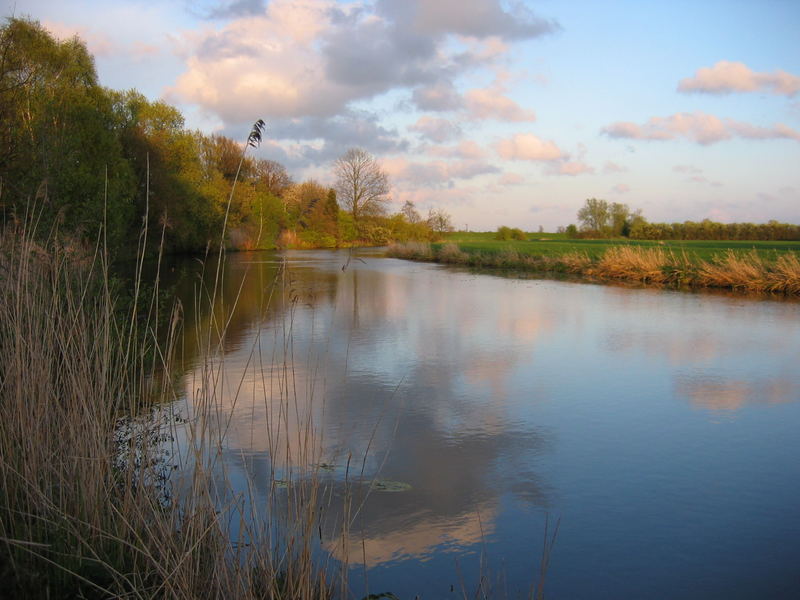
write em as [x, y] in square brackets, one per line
[450, 253]
[411, 251]
[87, 505]
[731, 270]
[736, 271]
[785, 275]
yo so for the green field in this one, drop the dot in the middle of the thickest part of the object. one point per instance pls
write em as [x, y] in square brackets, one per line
[555, 244]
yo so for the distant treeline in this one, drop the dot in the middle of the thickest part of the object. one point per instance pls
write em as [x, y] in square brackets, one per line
[75, 155]
[603, 219]
[710, 230]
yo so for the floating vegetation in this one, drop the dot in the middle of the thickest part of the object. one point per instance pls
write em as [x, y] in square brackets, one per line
[326, 467]
[386, 485]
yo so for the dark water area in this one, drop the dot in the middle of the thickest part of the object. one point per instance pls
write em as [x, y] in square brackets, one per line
[661, 429]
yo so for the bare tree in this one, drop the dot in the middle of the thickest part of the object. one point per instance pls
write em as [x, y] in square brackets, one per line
[439, 221]
[410, 212]
[273, 176]
[362, 187]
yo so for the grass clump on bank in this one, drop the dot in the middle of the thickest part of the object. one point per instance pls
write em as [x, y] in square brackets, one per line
[90, 505]
[748, 271]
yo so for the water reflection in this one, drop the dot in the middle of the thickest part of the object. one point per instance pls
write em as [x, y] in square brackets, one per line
[498, 401]
[709, 392]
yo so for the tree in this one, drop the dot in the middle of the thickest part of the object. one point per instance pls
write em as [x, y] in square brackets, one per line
[409, 211]
[439, 221]
[620, 216]
[362, 186]
[594, 215]
[58, 140]
[273, 176]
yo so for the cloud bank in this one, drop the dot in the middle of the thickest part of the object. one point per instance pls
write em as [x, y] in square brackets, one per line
[314, 58]
[698, 127]
[729, 77]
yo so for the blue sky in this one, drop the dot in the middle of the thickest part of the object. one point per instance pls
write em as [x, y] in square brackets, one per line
[498, 112]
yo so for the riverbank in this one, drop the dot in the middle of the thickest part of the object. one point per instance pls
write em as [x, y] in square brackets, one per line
[748, 271]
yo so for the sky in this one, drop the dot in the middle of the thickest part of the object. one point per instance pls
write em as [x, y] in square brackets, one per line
[498, 112]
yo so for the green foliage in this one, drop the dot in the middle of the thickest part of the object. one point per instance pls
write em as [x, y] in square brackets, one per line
[709, 230]
[60, 148]
[507, 233]
[503, 233]
[439, 221]
[600, 218]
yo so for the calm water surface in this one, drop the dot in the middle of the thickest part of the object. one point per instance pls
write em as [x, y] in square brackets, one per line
[662, 428]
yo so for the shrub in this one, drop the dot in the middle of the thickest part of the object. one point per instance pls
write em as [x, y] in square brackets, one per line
[518, 234]
[503, 233]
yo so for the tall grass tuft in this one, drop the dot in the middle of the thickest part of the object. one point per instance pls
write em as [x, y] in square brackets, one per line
[89, 505]
[651, 265]
[785, 275]
[736, 271]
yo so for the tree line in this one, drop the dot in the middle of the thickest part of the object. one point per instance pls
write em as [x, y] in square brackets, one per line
[602, 219]
[80, 158]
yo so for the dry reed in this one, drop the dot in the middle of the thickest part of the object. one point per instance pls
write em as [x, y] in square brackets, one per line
[87, 505]
[735, 271]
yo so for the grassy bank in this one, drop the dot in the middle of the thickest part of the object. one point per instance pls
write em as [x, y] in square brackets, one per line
[90, 505]
[737, 268]
[555, 244]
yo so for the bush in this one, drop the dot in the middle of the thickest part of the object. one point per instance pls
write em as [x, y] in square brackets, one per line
[503, 233]
[507, 233]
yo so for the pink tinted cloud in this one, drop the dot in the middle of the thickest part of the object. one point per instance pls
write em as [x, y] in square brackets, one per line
[570, 168]
[612, 167]
[526, 146]
[699, 127]
[511, 179]
[410, 175]
[98, 44]
[621, 188]
[490, 103]
[727, 77]
[466, 149]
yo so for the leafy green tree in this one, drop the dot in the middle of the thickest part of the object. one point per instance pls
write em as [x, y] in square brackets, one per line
[595, 215]
[57, 129]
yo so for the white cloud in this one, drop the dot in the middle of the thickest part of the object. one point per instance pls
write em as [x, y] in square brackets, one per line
[728, 77]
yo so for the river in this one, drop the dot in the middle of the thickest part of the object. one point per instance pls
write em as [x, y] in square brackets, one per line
[658, 431]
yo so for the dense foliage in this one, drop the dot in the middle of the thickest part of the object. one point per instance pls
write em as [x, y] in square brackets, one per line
[86, 159]
[603, 219]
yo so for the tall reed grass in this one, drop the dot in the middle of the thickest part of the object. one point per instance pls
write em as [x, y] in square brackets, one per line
[731, 270]
[89, 503]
